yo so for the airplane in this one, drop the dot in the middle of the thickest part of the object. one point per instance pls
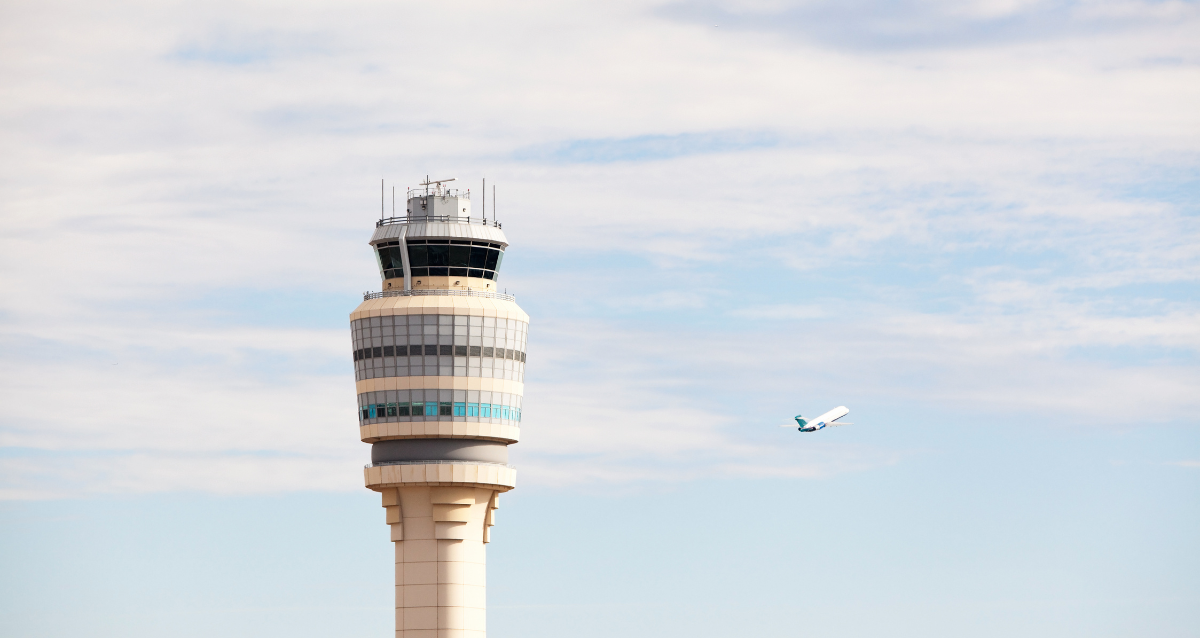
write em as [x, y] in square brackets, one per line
[825, 420]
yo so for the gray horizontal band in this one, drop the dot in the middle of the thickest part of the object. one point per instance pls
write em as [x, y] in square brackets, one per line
[403, 450]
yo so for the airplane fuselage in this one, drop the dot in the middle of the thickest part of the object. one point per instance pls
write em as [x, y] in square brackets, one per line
[812, 425]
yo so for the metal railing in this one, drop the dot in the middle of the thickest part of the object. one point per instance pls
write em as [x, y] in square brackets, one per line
[423, 219]
[382, 463]
[438, 292]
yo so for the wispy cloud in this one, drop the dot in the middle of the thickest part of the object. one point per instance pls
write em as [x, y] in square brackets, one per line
[646, 148]
[242, 48]
[915, 24]
[943, 206]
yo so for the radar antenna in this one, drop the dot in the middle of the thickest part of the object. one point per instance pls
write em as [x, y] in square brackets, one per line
[437, 184]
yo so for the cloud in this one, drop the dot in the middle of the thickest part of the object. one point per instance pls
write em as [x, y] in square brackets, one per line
[920, 24]
[982, 208]
[649, 147]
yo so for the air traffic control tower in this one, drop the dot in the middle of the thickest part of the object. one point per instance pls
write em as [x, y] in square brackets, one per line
[439, 365]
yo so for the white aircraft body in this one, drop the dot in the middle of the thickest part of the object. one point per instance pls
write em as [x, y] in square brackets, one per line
[825, 420]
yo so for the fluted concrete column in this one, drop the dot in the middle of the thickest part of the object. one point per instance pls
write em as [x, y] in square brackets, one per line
[439, 530]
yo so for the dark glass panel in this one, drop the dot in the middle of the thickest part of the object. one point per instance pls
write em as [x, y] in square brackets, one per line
[420, 272]
[475, 273]
[487, 352]
[458, 272]
[499, 260]
[460, 242]
[402, 409]
[378, 352]
[391, 409]
[475, 351]
[487, 274]
[401, 351]
[431, 351]
[391, 258]
[445, 350]
[439, 241]
[439, 255]
[490, 262]
[366, 353]
[478, 257]
[460, 351]
[389, 351]
[499, 353]
[418, 409]
[444, 409]
[460, 256]
[418, 256]
[438, 272]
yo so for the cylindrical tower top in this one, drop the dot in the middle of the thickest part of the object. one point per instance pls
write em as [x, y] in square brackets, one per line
[438, 245]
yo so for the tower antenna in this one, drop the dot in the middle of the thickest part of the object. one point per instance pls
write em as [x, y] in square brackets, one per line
[485, 201]
[381, 198]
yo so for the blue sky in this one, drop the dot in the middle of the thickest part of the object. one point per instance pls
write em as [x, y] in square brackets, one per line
[973, 223]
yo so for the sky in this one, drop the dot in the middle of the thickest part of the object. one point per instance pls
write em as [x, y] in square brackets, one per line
[974, 223]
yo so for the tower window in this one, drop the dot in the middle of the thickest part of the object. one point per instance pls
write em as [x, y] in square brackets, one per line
[460, 256]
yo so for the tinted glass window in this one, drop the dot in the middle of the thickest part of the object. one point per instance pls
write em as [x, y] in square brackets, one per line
[439, 255]
[490, 262]
[391, 257]
[418, 256]
[460, 256]
[478, 257]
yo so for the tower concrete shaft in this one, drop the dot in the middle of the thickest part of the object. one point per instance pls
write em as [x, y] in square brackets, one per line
[439, 361]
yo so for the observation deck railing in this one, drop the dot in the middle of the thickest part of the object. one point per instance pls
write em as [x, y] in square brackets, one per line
[423, 219]
[438, 292]
[436, 462]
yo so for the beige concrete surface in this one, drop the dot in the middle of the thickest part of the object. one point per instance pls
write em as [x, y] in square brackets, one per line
[440, 383]
[441, 563]
[439, 305]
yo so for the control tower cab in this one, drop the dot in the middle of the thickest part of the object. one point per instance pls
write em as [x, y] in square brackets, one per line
[437, 245]
[439, 364]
